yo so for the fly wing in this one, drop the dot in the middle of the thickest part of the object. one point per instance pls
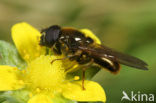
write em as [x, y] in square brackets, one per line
[105, 52]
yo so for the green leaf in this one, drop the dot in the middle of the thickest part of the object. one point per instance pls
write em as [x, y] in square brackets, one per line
[21, 96]
[10, 56]
[17, 96]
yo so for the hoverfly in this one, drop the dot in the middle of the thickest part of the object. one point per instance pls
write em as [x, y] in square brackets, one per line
[75, 45]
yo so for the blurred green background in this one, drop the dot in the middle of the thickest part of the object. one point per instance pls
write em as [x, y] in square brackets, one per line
[126, 25]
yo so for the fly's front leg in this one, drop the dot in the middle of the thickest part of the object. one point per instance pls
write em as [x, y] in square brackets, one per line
[67, 57]
[59, 59]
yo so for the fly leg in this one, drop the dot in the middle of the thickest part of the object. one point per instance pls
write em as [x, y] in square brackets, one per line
[67, 57]
[83, 78]
[61, 59]
[83, 72]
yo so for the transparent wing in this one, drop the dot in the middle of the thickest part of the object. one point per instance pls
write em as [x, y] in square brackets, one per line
[105, 52]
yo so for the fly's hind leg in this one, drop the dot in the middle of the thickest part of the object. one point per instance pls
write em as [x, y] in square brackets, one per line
[83, 72]
[83, 78]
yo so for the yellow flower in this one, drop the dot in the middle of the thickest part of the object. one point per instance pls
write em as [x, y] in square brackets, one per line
[43, 79]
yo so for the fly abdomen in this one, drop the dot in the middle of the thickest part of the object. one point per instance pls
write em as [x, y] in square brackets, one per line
[112, 66]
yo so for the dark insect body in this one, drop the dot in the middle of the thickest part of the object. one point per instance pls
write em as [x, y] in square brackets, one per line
[75, 45]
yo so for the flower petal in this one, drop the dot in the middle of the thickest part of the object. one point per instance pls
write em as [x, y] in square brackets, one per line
[9, 78]
[26, 39]
[40, 98]
[93, 91]
[89, 33]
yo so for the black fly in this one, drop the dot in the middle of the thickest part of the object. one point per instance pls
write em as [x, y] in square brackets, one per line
[76, 46]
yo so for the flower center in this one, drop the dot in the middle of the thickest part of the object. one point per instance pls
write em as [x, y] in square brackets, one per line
[43, 74]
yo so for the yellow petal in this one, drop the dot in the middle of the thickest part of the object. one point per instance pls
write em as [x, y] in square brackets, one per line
[90, 34]
[93, 91]
[40, 98]
[9, 78]
[26, 39]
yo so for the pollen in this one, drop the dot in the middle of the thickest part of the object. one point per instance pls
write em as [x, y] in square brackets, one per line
[42, 75]
[37, 54]
[76, 78]
[23, 71]
[30, 95]
[26, 56]
[38, 48]
[21, 82]
[38, 90]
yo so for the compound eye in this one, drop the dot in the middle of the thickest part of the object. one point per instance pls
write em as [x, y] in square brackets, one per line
[42, 40]
[52, 34]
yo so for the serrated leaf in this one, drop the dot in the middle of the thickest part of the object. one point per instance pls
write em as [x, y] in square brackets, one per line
[10, 56]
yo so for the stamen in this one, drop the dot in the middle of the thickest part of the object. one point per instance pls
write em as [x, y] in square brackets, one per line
[24, 71]
[38, 90]
[30, 95]
[38, 48]
[14, 68]
[37, 54]
[24, 51]
[72, 79]
[43, 76]
[21, 82]
[27, 56]
[76, 78]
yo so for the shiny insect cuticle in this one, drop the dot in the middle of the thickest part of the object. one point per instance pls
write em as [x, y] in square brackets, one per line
[76, 46]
